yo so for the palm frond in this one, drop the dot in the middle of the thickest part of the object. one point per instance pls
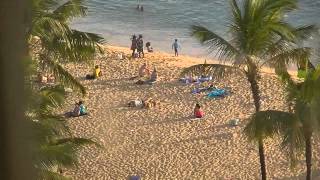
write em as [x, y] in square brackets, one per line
[76, 46]
[47, 128]
[304, 32]
[265, 124]
[215, 70]
[46, 27]
[214, 42]
[65, 77]
[292, 56]
[52, 97]
[50, 175]
[293, 141]
[43, 5]
[70, 9]
[78, 141]
[63, 155]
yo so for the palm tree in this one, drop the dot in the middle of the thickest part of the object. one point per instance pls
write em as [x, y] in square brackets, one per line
[259, 36]
[54, 42]
[52, 145]
[51, 43]
[296, 127]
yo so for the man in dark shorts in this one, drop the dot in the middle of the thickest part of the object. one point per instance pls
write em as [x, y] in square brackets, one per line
[140, 46]
[175, 46]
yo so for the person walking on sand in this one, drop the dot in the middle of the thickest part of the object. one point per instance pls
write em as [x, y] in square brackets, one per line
[140, 46]
[133, 45]
[175, 47]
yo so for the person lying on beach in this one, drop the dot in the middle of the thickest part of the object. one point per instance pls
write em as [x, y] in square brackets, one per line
[136, 103]
[203, 89]
[149, 47]
[197, 112]
[148, 103]
[97, 73]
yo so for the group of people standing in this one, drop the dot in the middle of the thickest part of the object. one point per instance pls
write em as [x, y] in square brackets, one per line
[137, 47]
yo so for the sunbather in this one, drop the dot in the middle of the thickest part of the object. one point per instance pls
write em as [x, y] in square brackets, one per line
[150, 103]
[153, 77]
[198, 113]
[203, 89]
[143, 71]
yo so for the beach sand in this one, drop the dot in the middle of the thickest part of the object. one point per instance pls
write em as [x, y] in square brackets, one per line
[165, 142]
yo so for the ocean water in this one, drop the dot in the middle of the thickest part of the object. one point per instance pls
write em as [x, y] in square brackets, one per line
[164, 20]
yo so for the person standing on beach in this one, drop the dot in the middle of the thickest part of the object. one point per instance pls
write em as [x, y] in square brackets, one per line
[176, 46]
[133, 45]
[140, 46]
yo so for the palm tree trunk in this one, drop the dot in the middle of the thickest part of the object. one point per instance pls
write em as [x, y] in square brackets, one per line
[252, 78]
[262, 161]
[308, 155]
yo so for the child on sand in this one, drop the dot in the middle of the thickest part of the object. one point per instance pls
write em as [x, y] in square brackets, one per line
[149, 47]
[82, 108]
[198, 113]
[97, 73]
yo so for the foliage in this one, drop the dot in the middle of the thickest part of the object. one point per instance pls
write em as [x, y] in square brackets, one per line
[58, 42]
[297, 126]
[52, 43]
[258, 36]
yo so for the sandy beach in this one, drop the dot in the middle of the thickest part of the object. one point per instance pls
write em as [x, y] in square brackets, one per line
[165, 142]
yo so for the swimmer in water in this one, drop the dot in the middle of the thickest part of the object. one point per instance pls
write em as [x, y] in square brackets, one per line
[139, 7]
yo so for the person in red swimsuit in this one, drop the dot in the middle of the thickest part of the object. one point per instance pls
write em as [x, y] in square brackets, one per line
[198, 113]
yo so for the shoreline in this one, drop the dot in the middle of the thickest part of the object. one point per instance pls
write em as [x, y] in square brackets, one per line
[182, 61]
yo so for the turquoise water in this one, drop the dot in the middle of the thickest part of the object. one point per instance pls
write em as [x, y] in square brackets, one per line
[164, 20]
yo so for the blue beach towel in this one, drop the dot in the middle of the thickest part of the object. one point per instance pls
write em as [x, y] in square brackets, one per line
[217, 93]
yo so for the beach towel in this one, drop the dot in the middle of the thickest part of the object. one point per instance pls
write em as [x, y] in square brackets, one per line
[217, 93]
[204, 78]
